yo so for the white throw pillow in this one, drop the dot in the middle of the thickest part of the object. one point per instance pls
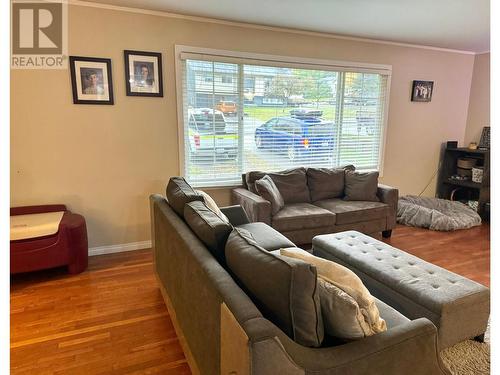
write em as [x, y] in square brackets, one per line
[349, 310]
[212, 205]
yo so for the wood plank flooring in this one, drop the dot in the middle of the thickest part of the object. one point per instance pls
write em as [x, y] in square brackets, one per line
[111, 319]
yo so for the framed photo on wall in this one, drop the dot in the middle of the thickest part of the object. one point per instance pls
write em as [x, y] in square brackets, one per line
[422, 91]
[143, 73]
[91, 80]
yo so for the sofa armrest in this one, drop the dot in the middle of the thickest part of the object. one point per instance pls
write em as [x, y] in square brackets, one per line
[389, 196]
[409, 348]
[236, 215]
[256, 207]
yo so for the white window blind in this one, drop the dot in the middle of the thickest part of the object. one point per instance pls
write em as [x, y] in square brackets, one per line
[241, 115]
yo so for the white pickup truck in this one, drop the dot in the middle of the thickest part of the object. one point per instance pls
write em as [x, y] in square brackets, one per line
[210, 138]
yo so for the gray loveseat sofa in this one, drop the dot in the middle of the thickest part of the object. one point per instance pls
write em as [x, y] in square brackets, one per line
[314, 204]
[224, 332]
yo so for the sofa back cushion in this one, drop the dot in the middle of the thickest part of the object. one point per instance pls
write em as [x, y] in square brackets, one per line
[292, 184]
[267, 189]
[361, 186]
[210, 228]
[326, 183]
[284, 289]
[179, 192]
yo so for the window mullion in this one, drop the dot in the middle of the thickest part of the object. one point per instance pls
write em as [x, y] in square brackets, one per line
[339, 115]
[241, 118]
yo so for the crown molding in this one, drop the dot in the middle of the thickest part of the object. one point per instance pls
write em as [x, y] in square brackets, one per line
[260, 27]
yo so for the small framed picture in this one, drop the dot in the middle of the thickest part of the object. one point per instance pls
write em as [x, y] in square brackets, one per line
[143, 73]
[91, 80]
[422, 91]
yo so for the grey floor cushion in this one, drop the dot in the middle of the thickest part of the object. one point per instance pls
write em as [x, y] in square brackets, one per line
[435, 214]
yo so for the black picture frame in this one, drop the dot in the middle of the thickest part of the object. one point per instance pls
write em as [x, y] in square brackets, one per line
[102, 69]
[421, 91]
[137, 85]
[484, 143]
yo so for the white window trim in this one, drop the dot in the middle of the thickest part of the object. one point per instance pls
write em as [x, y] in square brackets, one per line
[303, 62]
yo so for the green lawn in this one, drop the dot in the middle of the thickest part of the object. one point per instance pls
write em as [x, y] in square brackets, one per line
[265, 113]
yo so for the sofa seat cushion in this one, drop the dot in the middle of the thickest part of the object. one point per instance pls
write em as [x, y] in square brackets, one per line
[296, 216]
[284, 289]
[348, 212]
[267, 237]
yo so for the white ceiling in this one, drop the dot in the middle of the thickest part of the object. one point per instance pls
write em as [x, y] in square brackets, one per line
[454, 24]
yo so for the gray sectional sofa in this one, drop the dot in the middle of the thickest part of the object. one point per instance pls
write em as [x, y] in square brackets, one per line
[315, 204]
[225, 326]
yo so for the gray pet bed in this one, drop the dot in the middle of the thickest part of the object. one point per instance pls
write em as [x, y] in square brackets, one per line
[436, 214]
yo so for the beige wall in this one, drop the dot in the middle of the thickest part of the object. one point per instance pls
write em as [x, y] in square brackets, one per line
[479, 103]
[104, 161]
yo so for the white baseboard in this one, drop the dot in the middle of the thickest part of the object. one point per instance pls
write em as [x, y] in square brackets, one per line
[100, 250]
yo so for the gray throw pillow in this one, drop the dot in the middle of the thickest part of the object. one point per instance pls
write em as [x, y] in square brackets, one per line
[361, 186]
[284, 289]
[267, 189]
[326, 183]
[179, 192]
[292, 184]
[210, 228]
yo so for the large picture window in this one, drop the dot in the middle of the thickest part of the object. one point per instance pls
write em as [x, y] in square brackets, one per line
[241, 114]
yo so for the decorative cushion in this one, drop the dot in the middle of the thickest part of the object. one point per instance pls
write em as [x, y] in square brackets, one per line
[284, 289]
[326, 183]
[361, 186]
[349, 310]
[292, 184]
[267, 189]
[209, 201]
[179, 192]
[347, 212]
[298, 216]
[211, 229]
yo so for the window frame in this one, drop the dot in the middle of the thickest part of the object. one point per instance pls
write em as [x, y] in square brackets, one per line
[183, 52]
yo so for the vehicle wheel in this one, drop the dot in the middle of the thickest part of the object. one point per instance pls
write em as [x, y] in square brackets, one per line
[258, 141]
[291, 153]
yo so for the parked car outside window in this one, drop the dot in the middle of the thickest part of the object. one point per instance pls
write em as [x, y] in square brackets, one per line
[209, 136]
[227, 107]
[301, 137]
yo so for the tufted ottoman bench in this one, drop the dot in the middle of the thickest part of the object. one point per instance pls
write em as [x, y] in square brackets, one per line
[458, 307]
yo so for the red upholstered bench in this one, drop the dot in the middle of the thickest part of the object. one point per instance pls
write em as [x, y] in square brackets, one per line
[67, 247]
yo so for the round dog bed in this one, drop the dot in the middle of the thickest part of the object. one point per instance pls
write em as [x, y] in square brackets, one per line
[436, 214]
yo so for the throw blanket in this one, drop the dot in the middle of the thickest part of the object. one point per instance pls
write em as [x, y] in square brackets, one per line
[436, 214]
[23, 227]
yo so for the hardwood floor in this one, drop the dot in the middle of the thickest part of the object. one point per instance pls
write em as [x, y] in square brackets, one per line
[465, 252]
[111, 319]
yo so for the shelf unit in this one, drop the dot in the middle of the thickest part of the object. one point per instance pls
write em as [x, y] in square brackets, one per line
[464, 190]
